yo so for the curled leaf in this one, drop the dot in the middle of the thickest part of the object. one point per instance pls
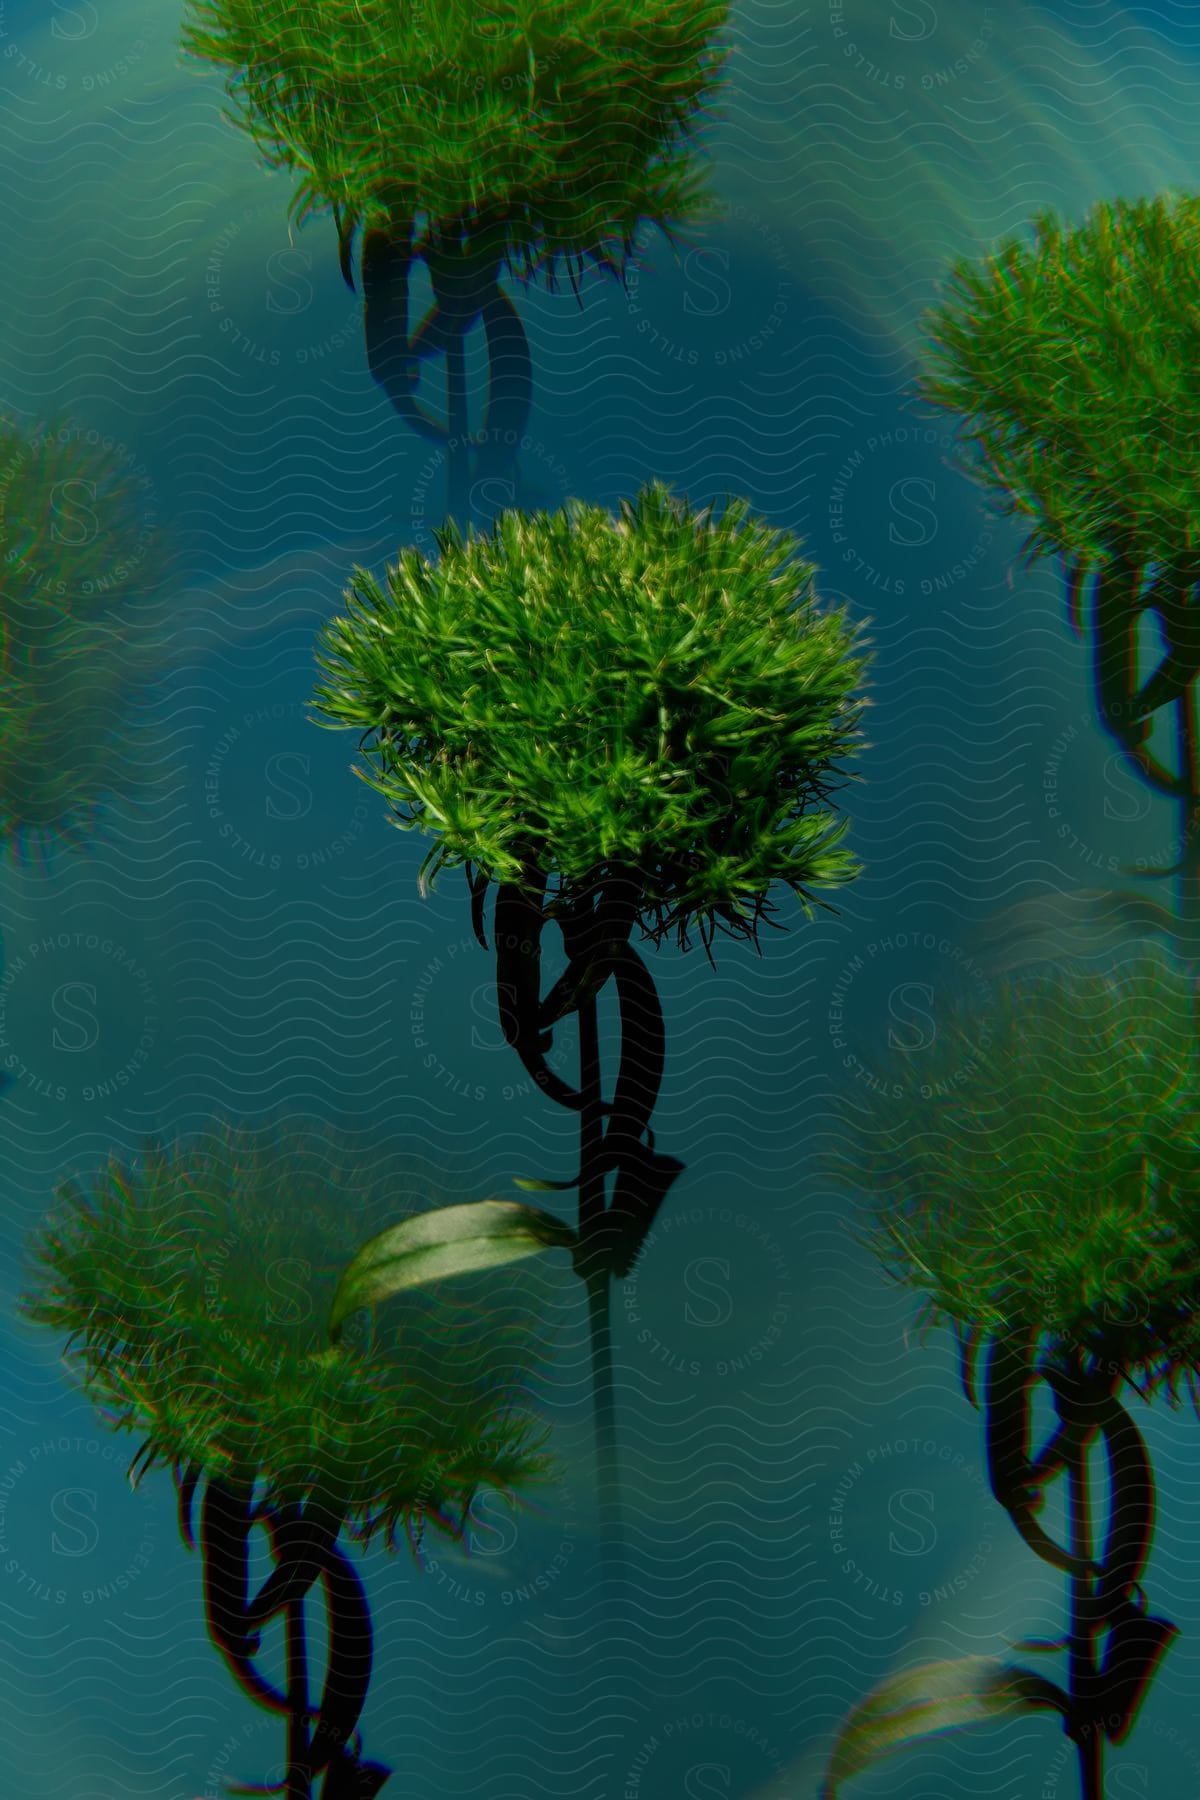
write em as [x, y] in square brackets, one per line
[936, 1697]
[226, 1521]
[1009, 1379]
[1115, 619]
[518, 921]
[644, 1051]
[1131, 1511]
[301, 1537]
[1180, 666]
[351, 1655]
[453, 1240]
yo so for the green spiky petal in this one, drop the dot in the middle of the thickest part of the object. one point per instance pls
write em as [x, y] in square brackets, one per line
[656, 691]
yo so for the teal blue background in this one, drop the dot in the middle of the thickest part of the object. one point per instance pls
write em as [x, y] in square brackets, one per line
[152, 293]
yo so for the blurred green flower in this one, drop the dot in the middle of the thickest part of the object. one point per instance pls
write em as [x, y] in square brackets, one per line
[195, 1287]
[566, 121]
[1055, 1184]
[1075, 363]
[81, 566]
[656, 692]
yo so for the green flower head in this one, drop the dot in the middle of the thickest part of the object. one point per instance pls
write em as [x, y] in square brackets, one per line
[80, 629]
[655, 692]
[564, 121]
[1074, 362]
[1056, 1187]
[195, 1287]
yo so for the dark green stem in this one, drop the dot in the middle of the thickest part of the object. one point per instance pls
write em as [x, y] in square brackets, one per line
[509, 400]
[597, 1278]
[1088, 1730]
[1189, 861]
[299, 1784]
[458, 446]
[464, 275]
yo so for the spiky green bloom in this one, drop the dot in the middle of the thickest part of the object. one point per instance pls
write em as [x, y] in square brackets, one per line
[195, 1287]
[1056, 1186]
[81, 561]
[1075, 362]
[567, 120]
[655, 692]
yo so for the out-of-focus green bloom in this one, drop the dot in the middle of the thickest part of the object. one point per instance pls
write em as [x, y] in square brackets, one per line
[195, 1287]
[81, 563]
[655, 692]
[1076, 362]
[1056, 1185]
[564, 121]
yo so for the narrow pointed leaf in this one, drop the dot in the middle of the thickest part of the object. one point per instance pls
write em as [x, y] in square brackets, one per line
[454, 1240]
[937, 1697]
[345, 230]
[351, 1658]
[300, 1538]
[1077, 575]
[478, 881]
[1136, 1645]
[188, 1481]
[575, 986]
[1053, 1459]
[1009, 1377]
[642, 1185]
[645, 1046]
[1131, 1512]
[969, 1341]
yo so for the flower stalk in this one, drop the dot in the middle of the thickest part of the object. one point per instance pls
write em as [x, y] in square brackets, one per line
[1048, 1208]
[628, 722]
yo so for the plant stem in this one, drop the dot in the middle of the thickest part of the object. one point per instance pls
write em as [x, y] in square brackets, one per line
[597, 1280]
[1089, 1736]
[299, 1785]
[458, 447]
[509, 400]
[464, 275]
[1189, 861]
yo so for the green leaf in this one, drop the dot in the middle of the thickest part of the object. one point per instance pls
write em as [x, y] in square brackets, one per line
[532, 1185]
[453, 1240]
[936, 1697]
